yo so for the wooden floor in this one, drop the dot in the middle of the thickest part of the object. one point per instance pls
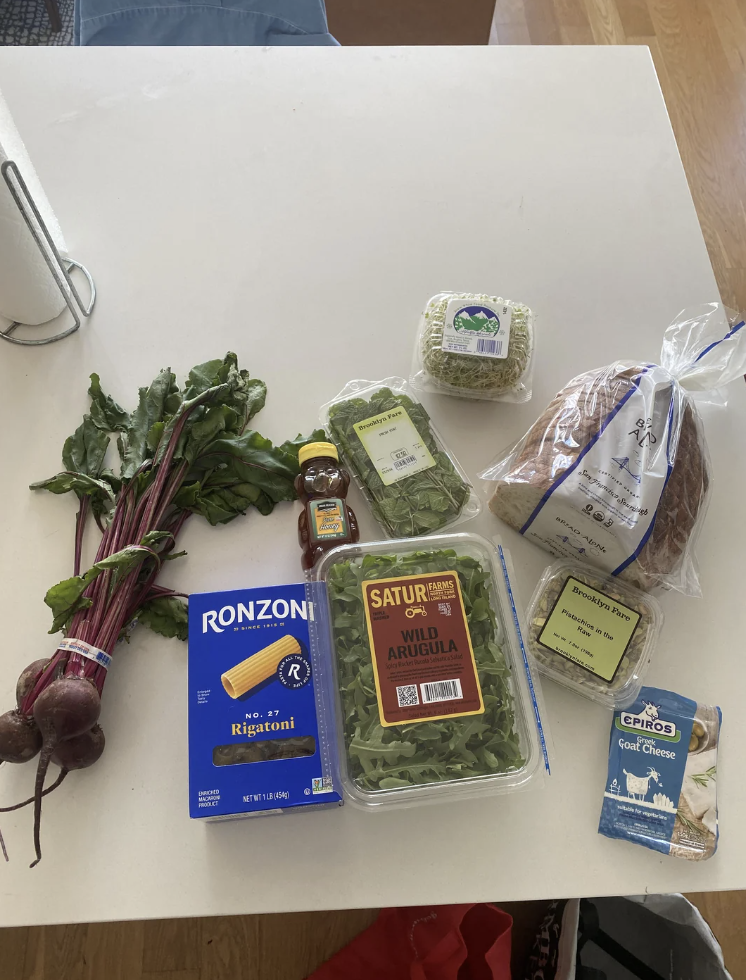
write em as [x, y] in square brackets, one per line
[699, 49]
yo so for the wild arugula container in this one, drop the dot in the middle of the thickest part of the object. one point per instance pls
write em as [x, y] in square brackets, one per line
[436, 696]
[413, 484]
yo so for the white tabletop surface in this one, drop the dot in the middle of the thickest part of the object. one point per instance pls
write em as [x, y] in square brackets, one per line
[299, 207]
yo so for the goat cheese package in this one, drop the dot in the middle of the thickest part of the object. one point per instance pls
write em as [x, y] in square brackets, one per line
[661, 789]
[259, 703]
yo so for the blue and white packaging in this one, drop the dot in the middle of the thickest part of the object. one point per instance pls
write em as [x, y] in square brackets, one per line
[661, 788]
[260, 714]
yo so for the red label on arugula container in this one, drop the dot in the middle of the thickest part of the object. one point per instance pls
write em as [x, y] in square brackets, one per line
[423, 660]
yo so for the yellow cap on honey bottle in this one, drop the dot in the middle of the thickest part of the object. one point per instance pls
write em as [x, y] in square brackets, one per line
[314, 449]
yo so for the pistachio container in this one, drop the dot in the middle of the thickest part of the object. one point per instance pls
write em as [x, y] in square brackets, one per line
[592, 633]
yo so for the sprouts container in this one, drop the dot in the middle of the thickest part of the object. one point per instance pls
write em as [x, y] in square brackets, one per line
[475, 346]
[413, 484]
[592, 633]
[435, 694]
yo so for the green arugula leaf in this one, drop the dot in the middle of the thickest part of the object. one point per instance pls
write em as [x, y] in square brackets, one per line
[105, 412]
[427, 751]
[167, 615]
[416, 504]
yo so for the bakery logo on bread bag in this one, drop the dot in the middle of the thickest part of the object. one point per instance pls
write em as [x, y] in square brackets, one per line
[648, 722]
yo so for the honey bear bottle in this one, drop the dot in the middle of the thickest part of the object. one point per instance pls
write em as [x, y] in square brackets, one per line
[325, 521]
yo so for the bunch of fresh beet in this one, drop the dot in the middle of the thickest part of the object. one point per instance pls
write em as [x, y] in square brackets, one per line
[182, 451]
[60, 723]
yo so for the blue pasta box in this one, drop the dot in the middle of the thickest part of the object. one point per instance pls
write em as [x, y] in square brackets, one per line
[261, 736]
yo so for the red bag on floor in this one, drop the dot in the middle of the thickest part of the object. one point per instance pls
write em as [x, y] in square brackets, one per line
[437, 942]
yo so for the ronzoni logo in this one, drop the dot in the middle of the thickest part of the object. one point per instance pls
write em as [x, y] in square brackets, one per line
[264, 609]
[648, 722]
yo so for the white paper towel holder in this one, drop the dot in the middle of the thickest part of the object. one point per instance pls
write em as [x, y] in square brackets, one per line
[59, 267]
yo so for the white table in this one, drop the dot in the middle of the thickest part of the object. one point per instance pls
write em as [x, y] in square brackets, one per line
[286, 204]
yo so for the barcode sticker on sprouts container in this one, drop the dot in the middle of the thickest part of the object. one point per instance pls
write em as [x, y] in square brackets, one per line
[394, 445]
[423, 662]
[482, 329]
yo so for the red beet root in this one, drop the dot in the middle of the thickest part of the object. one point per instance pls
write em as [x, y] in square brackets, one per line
[66, 708]
[80, 751]
[28, 679]
[20, 738]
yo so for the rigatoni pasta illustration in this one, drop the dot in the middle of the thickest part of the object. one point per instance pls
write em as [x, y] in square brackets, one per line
[258, 667]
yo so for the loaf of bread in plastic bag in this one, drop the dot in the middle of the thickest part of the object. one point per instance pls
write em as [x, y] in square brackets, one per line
[615, 471]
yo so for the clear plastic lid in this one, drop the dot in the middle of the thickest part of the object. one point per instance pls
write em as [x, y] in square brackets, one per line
[436, 696]
[413, 484]
[475, 346]
[592, 633]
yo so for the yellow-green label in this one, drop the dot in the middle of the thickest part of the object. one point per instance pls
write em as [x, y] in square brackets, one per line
[394, 445]
[589, 628]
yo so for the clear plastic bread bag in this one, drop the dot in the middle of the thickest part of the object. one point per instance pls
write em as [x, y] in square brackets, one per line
[615, 471]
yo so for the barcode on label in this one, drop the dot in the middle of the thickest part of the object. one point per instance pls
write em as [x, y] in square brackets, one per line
[489, 347]
[441, 691]
[407, 696]
[407, 461]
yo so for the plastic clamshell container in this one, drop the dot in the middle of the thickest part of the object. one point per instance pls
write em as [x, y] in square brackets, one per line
[624, 686]
[485, 376]
[427, 500]
[421, 761]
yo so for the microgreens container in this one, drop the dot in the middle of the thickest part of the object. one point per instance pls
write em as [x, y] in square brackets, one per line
[592, 633]
[473, 345]
[435, 694]
[411, 481]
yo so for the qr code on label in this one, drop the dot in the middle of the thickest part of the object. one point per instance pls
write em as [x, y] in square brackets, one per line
[407, 696]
